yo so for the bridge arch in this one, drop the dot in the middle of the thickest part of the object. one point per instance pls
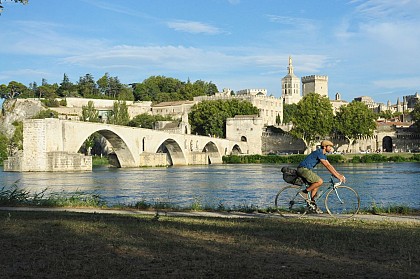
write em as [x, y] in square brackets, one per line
[236, 150]
[122, 151]
[175, 155]
[212, 151]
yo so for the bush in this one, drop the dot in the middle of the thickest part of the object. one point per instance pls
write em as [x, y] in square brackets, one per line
[416, 157]
[3, 147]
[51, 103]
[336, 159]
[355, 159]
[397, 158]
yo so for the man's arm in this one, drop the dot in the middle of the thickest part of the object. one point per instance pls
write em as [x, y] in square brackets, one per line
[332, 170]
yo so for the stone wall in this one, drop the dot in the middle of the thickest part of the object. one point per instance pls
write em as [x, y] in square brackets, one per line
[281, 143]
[246, 128]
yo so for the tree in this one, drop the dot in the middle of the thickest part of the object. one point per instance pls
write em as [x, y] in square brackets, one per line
[147, 121]
[355, 120]
[288, 111]
[415, 114]
[66, 87]
[87, 87]
[313, 120]
[385, 114]
[209, 117]
[89, 113]
[119, 114]
[12, 90]
[24, 2]
[162, 89]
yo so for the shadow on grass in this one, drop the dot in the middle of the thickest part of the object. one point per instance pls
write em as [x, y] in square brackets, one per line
[70, 245]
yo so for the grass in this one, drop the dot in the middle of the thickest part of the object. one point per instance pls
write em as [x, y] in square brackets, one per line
[80, 245]
[13, 196]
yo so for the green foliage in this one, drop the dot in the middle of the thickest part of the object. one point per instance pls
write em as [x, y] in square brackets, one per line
[119, 114]
[16, 142]
[385, 114]
[390, 209]
[147, 121]
[63, 102]
[51, 102]
[13, 90]
[289, 110]
[209, 117]
[313, 119]
[336, 159]
[355, 120]
[13, 196]
[90, 113]
[99, 161]
[87, 87]
[4, 142]
[263, 159]
[416, 157]
[48, 113]
[163, 89]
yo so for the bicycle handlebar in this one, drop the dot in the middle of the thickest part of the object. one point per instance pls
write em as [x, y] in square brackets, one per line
[337, 183]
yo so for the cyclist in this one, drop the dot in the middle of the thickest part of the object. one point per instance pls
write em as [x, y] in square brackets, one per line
[305, 170]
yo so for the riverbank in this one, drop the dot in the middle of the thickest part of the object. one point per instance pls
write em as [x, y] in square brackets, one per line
[333, 158]
[63, 244]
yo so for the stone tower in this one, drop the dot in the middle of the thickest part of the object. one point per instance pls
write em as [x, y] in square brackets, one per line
[290, 86]
[315, 84]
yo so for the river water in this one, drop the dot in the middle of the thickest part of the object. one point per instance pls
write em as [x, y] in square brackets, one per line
[232, 186]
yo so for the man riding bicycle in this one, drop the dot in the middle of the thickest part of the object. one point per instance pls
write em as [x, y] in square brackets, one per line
[305, 170]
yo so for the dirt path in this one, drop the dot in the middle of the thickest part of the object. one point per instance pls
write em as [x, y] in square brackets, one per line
[383, 217]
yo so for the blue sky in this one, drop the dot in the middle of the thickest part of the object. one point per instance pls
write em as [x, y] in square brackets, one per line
[364, 47]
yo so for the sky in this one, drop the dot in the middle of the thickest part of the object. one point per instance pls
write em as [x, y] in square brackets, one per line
[365, 47]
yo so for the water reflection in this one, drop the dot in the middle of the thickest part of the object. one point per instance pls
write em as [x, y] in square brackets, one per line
[230, 185]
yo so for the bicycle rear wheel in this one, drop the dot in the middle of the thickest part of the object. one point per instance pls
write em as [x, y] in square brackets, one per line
[342, 202]
[288, 202]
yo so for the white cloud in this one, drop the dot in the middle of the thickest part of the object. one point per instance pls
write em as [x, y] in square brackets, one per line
[43, 38]
[193, 27]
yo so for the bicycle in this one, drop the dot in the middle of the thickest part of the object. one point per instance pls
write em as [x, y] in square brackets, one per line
[340, 201]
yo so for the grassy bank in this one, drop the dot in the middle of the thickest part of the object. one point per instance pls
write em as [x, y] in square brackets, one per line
[14, 196]
[347, 158]
[76, 245]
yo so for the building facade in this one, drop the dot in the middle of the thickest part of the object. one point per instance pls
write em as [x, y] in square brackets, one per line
[315, 84]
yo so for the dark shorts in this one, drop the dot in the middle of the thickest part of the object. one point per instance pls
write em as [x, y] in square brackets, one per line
[308, 174]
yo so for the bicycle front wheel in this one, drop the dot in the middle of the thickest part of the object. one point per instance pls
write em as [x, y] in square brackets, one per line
[288, 202]
[342, 202]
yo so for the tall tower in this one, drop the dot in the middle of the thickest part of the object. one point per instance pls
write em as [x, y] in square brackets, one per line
[315, 84]
[290, 86]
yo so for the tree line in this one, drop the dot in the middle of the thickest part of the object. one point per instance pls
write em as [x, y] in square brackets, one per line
[155, 88]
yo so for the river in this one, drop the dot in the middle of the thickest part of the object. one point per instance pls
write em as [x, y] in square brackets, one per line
[232, 186]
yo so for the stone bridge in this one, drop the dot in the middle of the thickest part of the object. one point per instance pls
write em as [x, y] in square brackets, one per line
[53, 145]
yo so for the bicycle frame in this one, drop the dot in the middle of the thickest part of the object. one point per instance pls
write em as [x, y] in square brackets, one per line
[325, 188]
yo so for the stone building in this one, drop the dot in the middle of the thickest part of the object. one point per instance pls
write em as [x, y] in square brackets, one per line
[247, 128]
[337, 103]
[270, 107]
[315, 84]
